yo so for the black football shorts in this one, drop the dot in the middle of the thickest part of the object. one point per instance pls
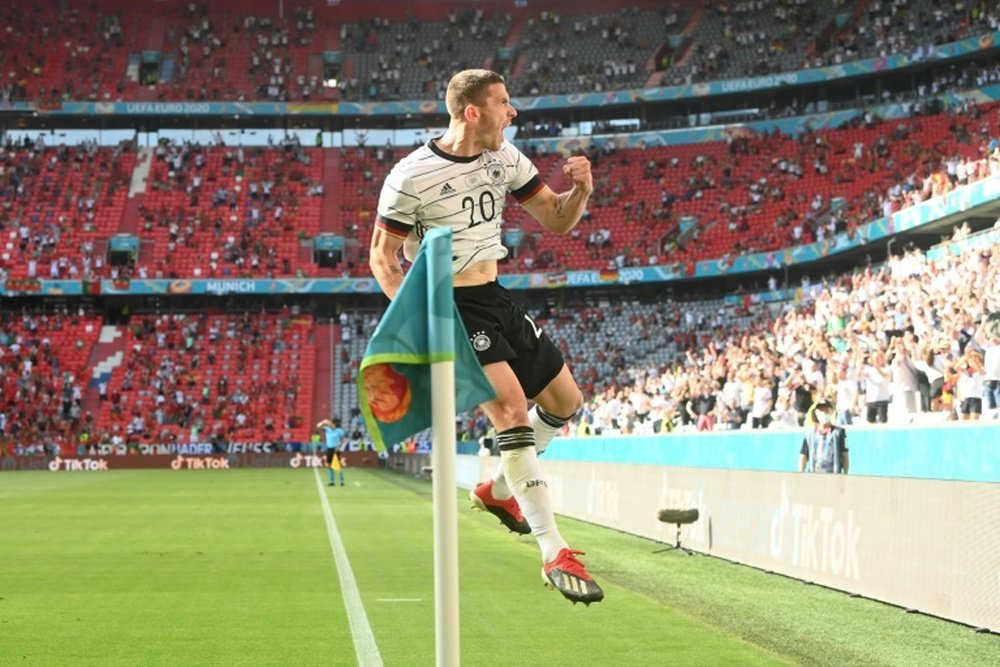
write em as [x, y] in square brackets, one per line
[500, 330]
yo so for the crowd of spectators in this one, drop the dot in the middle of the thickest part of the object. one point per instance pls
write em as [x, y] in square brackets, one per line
[56, 202]
[230, 211]
[208, 378]
[51, 55]
[901, 343]
[227, 204]
[241, 57]
[414, 59]
[563, 54]
[906, 342]
[43, 360]
[750, 38]
[759, 192]
[208, 54]
[911, 28]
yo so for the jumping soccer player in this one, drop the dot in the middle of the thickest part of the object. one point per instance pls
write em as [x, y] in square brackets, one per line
[461, 180]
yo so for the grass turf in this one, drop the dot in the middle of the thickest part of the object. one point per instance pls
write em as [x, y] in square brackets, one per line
[235, 568]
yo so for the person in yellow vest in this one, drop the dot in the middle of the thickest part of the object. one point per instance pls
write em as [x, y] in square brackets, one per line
[334, 436]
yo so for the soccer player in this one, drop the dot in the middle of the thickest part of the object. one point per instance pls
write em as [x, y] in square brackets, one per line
[461, 180]
[334, 436]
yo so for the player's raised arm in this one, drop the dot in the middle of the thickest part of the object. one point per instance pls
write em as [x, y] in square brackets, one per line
[560, 212]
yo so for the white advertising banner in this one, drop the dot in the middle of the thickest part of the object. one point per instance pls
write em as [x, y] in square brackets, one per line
[928, 545]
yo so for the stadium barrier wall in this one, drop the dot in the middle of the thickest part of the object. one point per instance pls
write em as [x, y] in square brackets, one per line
[98, 463]
[957, 451]
[928, 545]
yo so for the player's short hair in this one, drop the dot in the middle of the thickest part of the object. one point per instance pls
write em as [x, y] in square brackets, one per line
[469, 87]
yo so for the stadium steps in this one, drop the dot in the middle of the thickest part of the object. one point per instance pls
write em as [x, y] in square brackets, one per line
[513, 39]
[324, 338]
[688, 33]
[157, 33]
[331, 41]
[140, 174]
[106, 355]
[314, 66]
[130, 217]
[330, 220]
[136, 192]
[305, 254]
[516, 30]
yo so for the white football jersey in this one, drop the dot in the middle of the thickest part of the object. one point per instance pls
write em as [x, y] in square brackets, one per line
[430, 188]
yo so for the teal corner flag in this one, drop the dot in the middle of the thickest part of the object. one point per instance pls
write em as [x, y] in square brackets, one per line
[421, 327]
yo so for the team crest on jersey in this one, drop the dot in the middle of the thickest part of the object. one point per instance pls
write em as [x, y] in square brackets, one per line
[496, 173]
[481, 342]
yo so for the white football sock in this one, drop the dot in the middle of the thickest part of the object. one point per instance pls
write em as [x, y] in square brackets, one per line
[545, 426]
[500, 489]
[524, 479]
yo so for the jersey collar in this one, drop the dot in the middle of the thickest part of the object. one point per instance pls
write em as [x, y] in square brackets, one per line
[448, 156]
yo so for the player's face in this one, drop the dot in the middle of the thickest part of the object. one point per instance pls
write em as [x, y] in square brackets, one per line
[495, 115]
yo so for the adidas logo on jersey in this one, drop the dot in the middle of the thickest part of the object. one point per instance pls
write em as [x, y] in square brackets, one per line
[447, 190]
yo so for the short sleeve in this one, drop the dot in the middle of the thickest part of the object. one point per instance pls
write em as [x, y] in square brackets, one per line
[525, 182]
[398, 203]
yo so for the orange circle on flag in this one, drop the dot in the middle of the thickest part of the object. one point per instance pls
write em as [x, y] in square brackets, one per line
[389, 395]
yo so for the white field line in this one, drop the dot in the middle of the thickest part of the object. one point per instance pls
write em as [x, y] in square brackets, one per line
[361, 632]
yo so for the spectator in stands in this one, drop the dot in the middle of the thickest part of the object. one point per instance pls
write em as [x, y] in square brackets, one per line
[701, 408]
[763, 401]
[845, 384]
[969, 386]
[876, 378]
[904, 382]
[988, 338]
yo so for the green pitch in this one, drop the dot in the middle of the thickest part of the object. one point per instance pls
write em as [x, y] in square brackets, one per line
[236, 568]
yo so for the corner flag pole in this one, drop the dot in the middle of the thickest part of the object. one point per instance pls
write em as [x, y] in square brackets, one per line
[443, 411]
[445, 514]
[411, 359]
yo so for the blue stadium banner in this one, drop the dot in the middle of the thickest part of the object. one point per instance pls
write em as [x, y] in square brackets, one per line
[394, 384]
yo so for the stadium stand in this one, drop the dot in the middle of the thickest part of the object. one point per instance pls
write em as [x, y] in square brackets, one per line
[44, 360]
[231, 211]
[916, 323]
[59, 206]
[587, 53]
[751, 39]
[202, 52]
[760, 192]
[411, 59]
[210, 378]
[217, 211]
[880, 28]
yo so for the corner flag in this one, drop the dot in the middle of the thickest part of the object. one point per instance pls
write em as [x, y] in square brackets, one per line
[421, 327]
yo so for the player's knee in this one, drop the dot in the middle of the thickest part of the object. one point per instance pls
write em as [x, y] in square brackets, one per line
[507, 416]
[574, 401]
[567, 405]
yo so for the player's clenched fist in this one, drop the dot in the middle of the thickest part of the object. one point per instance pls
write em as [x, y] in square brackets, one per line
[577, 168]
